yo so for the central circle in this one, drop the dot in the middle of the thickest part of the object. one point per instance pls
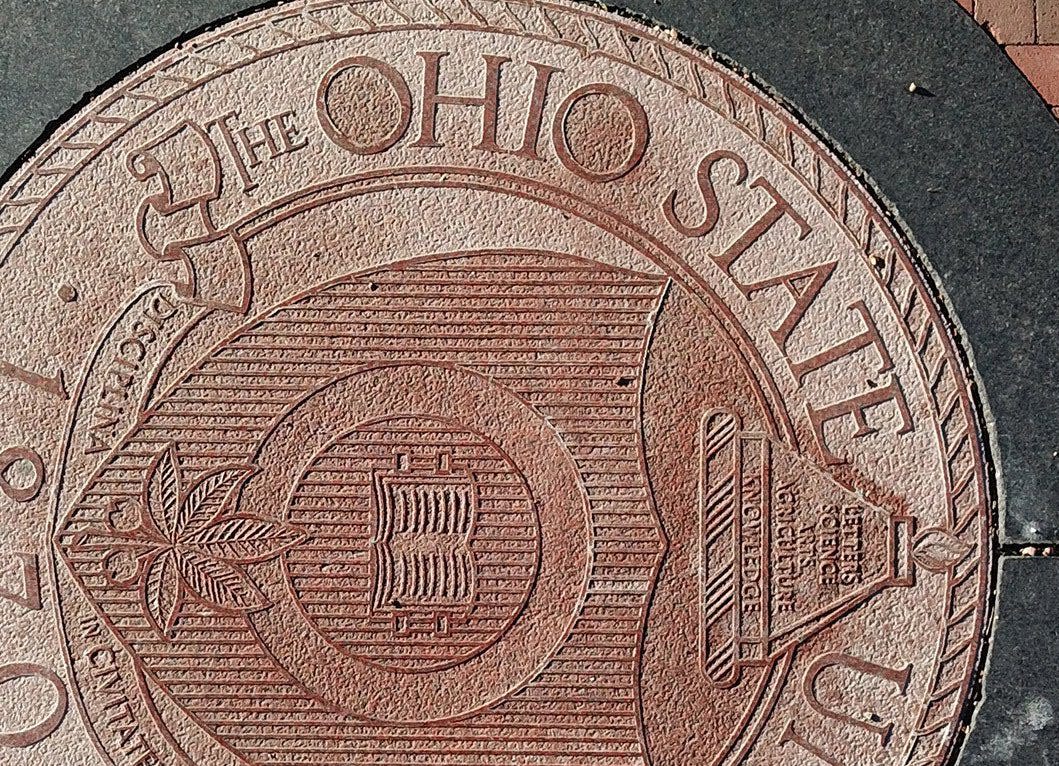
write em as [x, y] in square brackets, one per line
[423, 543]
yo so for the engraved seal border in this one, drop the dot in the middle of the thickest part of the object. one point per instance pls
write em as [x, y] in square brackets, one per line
[179, 71]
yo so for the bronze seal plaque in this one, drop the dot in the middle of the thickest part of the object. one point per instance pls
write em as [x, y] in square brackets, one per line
[466, 383]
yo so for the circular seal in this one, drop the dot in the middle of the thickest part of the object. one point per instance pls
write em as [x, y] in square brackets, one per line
[476, 382]
[420, 562]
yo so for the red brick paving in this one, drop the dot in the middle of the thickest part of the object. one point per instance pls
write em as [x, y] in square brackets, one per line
[1029, 31]
[1009, 21]
[1040, 64]
[1048, 21]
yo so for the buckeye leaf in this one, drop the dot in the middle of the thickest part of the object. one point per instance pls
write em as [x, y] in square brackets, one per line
[213, 494]
[161, 593]
[162, 491]
[219, 583]
[245, 539]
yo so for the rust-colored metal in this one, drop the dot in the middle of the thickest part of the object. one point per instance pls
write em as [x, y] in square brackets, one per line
[463, 383]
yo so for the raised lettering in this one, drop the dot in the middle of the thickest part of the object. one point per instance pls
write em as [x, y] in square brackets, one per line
[254, 137]
[55, 385]
[898, 678]
[488, 102]
[868, 337]
[29, 598]
[780, 207]
[400, 92]
[34, 734]
[638, 137]
[704, 177]
[535, 111]
[21, 493]
[804, 286]
[276, 134]
[856, 407]
[228, 136]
